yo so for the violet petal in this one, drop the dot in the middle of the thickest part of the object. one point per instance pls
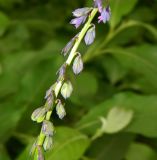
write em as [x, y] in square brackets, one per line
[98, 3]
[105, 15]
[78, 21]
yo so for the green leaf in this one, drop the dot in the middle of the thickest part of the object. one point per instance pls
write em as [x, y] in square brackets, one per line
[114, 70]
[3, 153]
[97, 50]
[68, 144]
[8, 3]
[1, 70]
[120, 8]
[85, 87]
[22, 89]
[141, 152]
[10, 115]
[143, 10]
[110, 147]
[4, 23]
[144, 108]
[142, 62]
[81, 82]
[117, 119]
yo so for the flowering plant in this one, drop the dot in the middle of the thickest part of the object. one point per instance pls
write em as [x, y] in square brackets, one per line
[62, 85]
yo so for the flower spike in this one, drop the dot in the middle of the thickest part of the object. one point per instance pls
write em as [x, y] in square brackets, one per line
[62, 86]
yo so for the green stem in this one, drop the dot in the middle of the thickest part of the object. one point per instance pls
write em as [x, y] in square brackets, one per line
[41, 137]
[110, 36]
[80, 37]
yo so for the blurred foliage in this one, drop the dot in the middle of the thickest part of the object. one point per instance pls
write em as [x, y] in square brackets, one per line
[120, 71]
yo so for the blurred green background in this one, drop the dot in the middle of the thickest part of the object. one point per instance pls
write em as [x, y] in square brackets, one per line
[120, 70]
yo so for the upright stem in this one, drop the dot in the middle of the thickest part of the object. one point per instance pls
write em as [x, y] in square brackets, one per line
[41, 137]
[81, 35]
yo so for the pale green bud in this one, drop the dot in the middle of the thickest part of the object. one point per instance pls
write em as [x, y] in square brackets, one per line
[47, 128]
[38, 115]
[66, 89]
[78, 64]
[56, 87]
[48, 142]
[60, 110]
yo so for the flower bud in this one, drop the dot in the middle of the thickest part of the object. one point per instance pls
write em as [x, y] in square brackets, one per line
[90, 36]
[60, 110]
[50, 101]
[62, 70]
[39, 114]
[81, 11]
[48, 92]
[47, 128]
[78, 64]
[66, 89]
[56, 87]
[78, 21]
[48, 142]
[69, 45]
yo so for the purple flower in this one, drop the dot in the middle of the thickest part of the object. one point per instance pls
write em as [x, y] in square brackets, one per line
[78, 21]
[81, 12]
[105, 15]
[67, 48]
[98, 3]
[90, 36]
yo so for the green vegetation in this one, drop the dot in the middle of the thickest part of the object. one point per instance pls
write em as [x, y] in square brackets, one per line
[112, 112]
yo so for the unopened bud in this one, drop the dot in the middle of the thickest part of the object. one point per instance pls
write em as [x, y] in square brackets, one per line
[61, 71]
[48, 142]
[78, 64]
[66, 89]
[81, 11]
[50, 101]
[47, 128]
[48, 92]
[90, 36]
[56, 87]
[38, 115]
[69, 45]
[60, 110]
